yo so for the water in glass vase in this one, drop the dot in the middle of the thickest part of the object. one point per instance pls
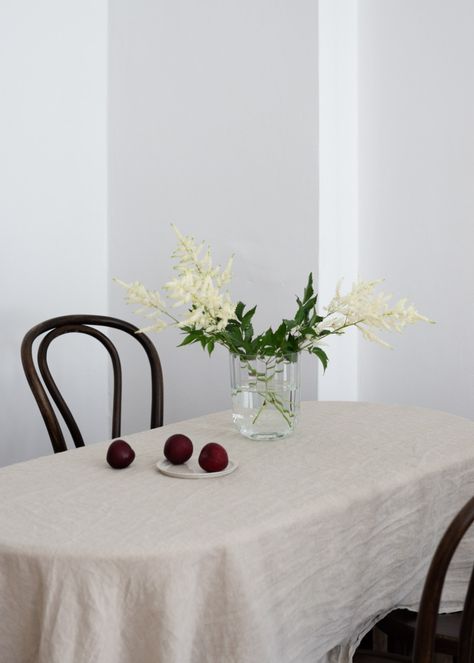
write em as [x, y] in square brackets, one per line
[265, 395]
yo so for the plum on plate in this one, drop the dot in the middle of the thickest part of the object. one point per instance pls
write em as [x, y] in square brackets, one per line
[213, 457]
[178, 449]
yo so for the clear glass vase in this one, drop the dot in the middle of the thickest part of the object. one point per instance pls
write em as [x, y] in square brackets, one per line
[265, 395]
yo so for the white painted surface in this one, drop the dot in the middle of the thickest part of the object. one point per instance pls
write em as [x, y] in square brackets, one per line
[213, 125]
[52, 202]
[416, 174]
[338, 183]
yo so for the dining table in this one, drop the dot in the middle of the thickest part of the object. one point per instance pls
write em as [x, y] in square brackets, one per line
[290, 558]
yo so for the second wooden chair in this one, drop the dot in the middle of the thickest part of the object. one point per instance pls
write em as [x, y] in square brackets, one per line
[83, 324]
[424, 648]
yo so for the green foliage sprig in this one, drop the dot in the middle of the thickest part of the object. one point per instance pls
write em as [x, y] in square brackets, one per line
[210, 317]
[292, 335]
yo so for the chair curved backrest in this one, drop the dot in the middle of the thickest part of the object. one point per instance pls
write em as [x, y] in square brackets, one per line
[84, 324]
[424, 648]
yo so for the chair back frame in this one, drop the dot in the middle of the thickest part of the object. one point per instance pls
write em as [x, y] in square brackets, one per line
[424, 647]
[66, 324]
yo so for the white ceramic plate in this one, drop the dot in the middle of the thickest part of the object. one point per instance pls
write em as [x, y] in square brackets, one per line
[191, 470]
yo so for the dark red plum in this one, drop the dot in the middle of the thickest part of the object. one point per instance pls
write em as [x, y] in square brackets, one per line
[120, 454]
[178, 449]
[213, 457]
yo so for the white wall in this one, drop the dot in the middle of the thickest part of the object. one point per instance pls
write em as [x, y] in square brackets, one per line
[52, 200]
[338, 183]
[213, 125]
[416, 174]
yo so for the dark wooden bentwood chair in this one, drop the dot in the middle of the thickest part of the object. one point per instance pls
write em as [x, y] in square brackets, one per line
[424, 649]
[400, 626]
[84, 324]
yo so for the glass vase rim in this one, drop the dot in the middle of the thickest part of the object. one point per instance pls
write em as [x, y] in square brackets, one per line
[253, 357]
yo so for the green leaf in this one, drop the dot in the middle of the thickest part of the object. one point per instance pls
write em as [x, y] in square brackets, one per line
[248, 316]
[290, 324]
[239, 309]
[308, 291]
[266, 338]
[192, 337]
[249, 347]
[235, 335]
[299, 317]
[210, 346]
[321, 355]
[315, 318]
[233, 324]
[280, 334]
[248, 332]
[310, 303]
[292, 344]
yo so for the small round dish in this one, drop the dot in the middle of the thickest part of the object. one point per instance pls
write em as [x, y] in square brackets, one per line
[192, 470]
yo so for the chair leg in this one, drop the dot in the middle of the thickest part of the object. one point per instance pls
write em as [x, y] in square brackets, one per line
[379, 640]
[398, 646]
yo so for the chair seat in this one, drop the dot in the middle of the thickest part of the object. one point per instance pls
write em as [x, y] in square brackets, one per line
[401, 625]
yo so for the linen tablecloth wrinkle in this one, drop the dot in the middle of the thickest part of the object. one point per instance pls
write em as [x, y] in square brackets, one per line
[289, 559]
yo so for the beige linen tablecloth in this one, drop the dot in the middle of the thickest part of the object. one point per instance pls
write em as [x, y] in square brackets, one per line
[287, 560]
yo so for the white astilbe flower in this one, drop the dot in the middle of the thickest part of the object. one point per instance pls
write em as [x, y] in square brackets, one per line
[226, 276]
[197, 286]
[151, 304]
[368, 311]
[331, 322]
[138, 294]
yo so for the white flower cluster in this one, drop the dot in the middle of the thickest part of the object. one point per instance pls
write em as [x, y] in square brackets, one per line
[198, 286]
[151, 304]
[367, 311]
